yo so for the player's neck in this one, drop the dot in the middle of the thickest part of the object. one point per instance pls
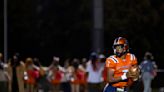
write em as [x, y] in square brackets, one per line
[123, 56]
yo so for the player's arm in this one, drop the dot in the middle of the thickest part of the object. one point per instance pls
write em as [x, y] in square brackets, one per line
[110, 76]
[112, 79]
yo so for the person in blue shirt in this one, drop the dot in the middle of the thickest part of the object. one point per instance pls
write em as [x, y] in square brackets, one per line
[148, 71]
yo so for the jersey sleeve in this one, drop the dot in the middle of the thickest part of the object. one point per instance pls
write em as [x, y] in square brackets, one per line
[133, 59]
[110, 63]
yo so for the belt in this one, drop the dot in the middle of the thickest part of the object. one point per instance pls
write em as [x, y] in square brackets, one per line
[121, 89]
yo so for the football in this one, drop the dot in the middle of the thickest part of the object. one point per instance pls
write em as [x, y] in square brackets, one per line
[134, 71]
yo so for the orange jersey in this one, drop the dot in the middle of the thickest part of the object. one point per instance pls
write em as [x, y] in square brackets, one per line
[120, 66]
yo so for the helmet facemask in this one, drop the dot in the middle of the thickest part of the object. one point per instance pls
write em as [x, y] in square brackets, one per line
[120, 46]
[119, 50]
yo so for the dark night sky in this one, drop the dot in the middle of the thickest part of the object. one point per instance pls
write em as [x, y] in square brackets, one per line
[1, 25]
[63, 28]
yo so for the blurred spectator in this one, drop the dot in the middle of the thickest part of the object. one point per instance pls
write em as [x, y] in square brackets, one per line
[148, 70]
[65, 81]
[75, 85]
[82, 66]
[31, 74]
[16, 72]
[42, 84]
[4, 76]
[102, 60]
[1, 57]
[94, 73]
[83, 80]
[54, 74]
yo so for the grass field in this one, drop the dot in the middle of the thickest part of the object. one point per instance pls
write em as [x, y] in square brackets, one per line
[153, 90]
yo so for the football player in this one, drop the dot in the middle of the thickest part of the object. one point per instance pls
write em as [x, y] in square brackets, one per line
[122, 68]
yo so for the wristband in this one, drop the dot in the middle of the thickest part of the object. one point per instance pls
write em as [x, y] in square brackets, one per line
[124, 77]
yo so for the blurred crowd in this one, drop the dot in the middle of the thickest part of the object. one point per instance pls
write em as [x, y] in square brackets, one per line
[75, 75]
